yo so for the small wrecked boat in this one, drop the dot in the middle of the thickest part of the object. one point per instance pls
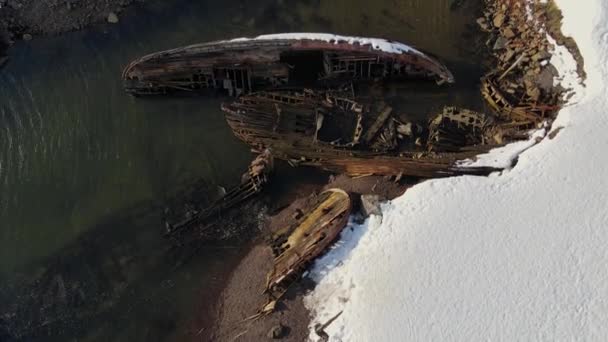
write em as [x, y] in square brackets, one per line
[316, 225]
[313, 230]
[245, 65]
[339, 134]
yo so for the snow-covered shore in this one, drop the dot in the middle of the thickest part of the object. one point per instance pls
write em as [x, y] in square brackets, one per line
[516, 256]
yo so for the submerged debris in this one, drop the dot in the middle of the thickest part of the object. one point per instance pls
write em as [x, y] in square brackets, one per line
[245, 65]
[252, 182]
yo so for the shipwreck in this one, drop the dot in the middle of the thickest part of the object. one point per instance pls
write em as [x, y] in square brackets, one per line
[315, 227]
[292, 60]
[336, 133]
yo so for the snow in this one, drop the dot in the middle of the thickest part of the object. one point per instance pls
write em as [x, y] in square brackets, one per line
[377, 43]
[505, 157]
[561, 59]
[518, 255]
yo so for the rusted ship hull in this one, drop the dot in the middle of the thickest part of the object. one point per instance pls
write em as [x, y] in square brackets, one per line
[244, 65]
[343, 136]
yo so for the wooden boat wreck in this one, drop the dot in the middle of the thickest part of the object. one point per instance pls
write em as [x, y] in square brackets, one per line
[341, 135]
[245, 65]
[317, 226]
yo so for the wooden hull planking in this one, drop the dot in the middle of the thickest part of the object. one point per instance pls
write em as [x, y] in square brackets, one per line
[244, 65]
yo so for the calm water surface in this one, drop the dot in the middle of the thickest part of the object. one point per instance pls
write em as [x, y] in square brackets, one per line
[84, 168]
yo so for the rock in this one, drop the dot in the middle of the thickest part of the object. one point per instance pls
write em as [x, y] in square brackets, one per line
[553, 70]
[370, 205]
[501, 43]
[508, 55]
[499, 19]
[545, 79]
[483, 24]
[541, 55]
[112, 18]
[276, 332]
[27, 37]
[508, 33]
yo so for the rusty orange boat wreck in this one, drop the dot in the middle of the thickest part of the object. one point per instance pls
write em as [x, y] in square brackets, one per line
[290, 60]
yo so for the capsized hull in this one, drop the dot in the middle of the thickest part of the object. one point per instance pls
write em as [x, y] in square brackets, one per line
[244, 65]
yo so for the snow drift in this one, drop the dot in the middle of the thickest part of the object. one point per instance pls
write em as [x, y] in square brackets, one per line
[515, 256]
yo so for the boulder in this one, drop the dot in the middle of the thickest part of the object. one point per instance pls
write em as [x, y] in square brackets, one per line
[545, 79]
[370, 205]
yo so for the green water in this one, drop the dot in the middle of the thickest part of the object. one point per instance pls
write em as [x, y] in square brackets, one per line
[84, 168]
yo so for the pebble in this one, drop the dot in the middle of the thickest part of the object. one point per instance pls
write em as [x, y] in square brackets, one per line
[483, 24]
[112, 18]
[370, 205]
[501, 43]
[508, 33]
[276, 332]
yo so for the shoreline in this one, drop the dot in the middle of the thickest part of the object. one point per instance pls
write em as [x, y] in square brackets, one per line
[242, 295]
[27, 19]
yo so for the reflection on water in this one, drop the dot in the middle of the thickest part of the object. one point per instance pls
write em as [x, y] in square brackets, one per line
[84, 168]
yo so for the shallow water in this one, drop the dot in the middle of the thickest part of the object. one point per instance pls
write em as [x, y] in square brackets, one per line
[84, 168]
